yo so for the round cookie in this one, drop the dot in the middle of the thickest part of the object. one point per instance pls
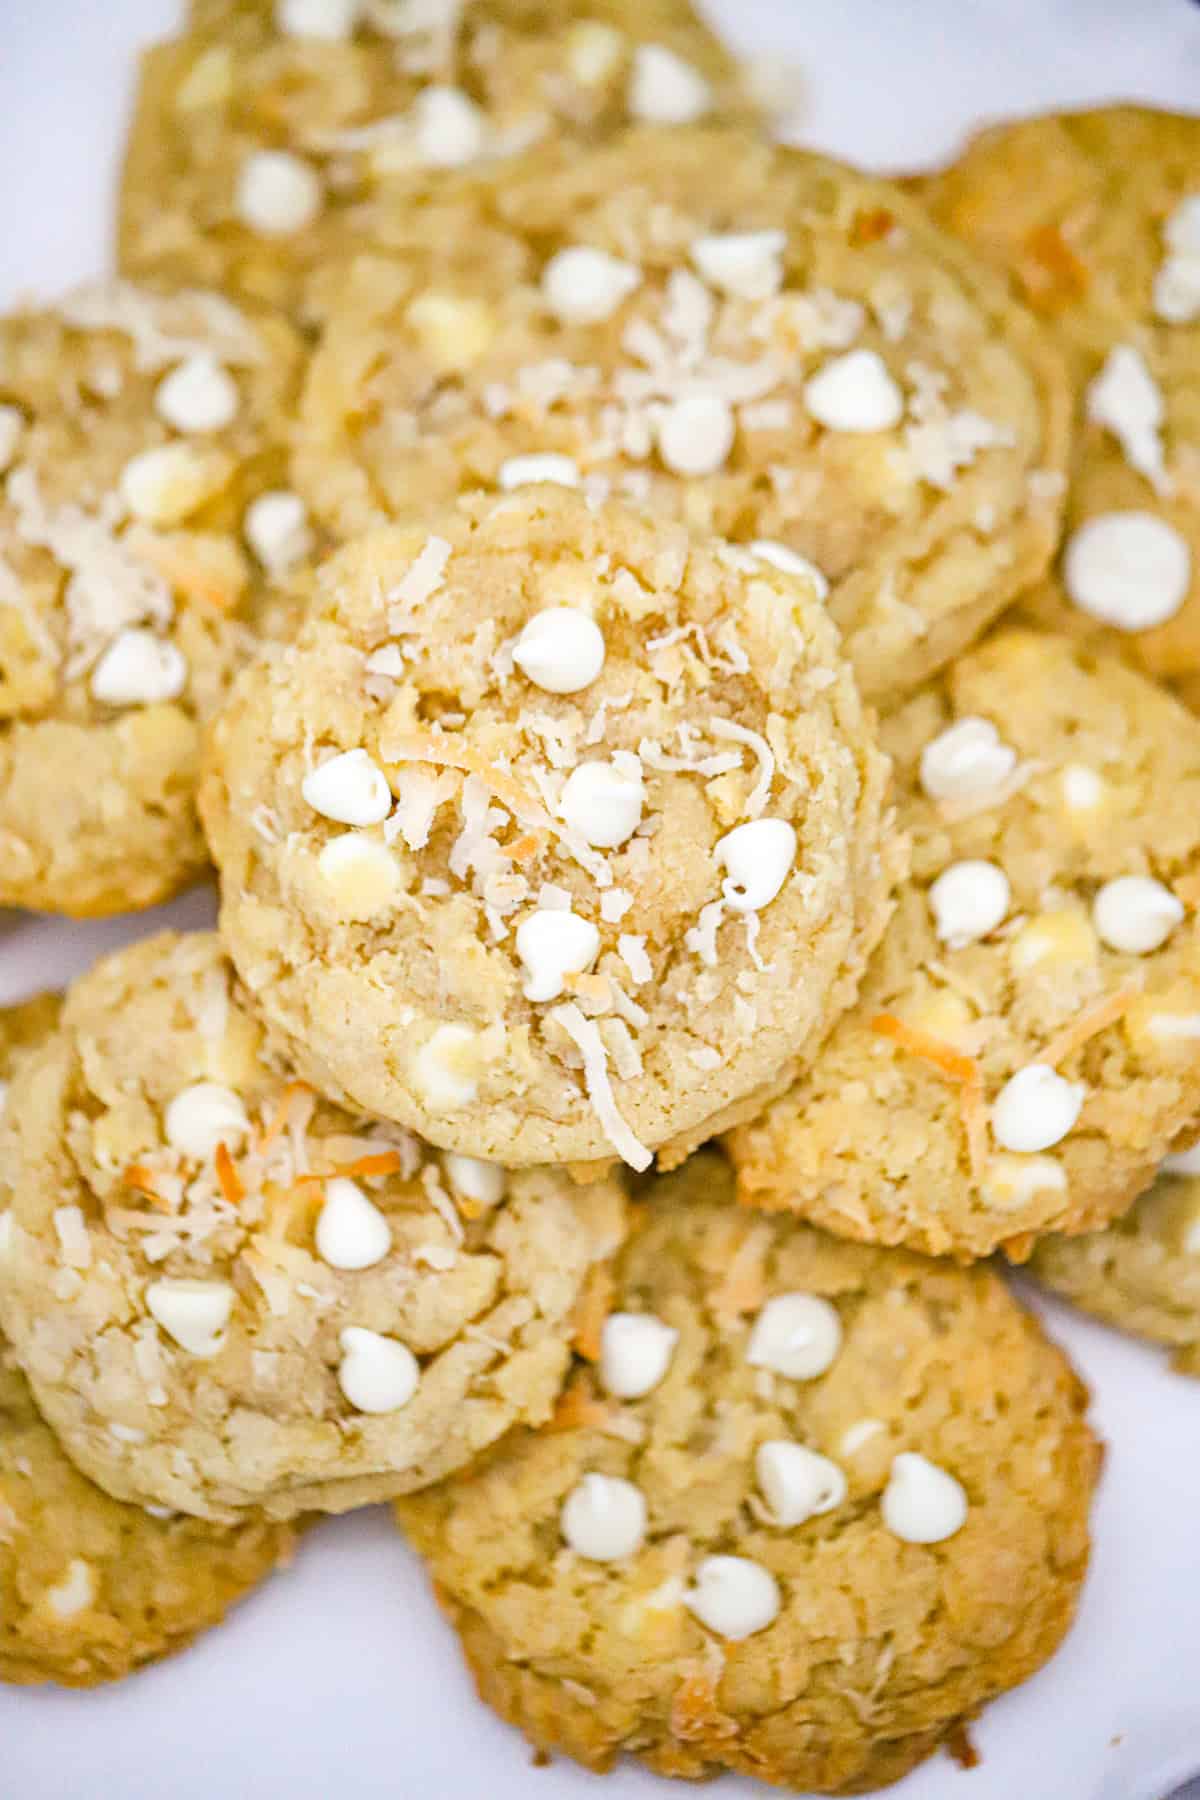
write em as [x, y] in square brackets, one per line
[618, 847]
[140, 438]
[760, 342]
[1096, 218]
[272, 142]
[845, 1507]
[1022, 1054]
[1142, 1274]
[228, 1295]
[89, 1588]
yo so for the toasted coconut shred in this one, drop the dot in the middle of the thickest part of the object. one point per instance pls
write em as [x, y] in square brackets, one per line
[585, 1035]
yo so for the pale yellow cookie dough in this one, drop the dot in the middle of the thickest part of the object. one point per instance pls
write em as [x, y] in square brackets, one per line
[914, 1548]
[272, 143]
[1048, 937]
[230, 1297]
[90, 1588]
[760, 342]
[136, 433]
[563, 925]
[1095, 217]
[1141, 1275]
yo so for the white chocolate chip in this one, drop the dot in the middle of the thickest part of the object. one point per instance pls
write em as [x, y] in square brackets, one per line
[162, 485]
[759, 857]
[198, 395]
[602, 803]
[376, 1374]
[1011, 1181]
[560, 650]
[745, 264]
[696, 434]
[277, 530]
[796, 1482]
[332, 21]
[1125, 399]
[921, 1503]
[12, 424]
[350, 788]
[797, 1335]
[604, 1518]
[593, 52]
[1035, 1109]
[193, 1313]
[584, 286]
[277, 194]
[75, 1592]
[666, 90]
[444, 1068]
[1177, 286]
[202, 1116]
[351, 1231]
[635, 1353]
[1182, 1162]
[1135, 914]
[526, 471]
[1131, 570]
[473, 1179]
[553, 944]
[790, 562]
[451, 131]
[966, 761]
[139, 668]
[854, 392]
[734, 1597]
[968, 900]
[1083, 789]
[363, 877]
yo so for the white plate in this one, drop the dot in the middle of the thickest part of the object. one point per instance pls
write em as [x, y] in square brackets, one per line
[338, 1678]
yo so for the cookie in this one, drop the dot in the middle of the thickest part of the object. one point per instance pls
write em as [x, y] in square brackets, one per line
[813, 1506]
[143, 513]
[1023, 1051]
[272, 142]
[617, 841]
[89, 1588]
[757, 341]
[1095, 216]
[1142, 1274]
[229, 1296]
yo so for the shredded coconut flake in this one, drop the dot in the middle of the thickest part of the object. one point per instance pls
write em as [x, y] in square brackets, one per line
[109, 589]
[421, 580]
[587, 1040]
[632, 951]
[759, 794]
[164, 329]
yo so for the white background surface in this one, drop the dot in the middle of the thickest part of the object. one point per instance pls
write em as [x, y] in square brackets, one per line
[338, 1679]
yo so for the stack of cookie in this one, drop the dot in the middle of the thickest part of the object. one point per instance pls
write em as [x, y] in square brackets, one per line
[547, 544]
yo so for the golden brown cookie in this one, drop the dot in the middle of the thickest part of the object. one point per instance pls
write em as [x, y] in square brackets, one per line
[144, 522]
[810, 1509]
[272, 142]
[758, 342]
[1142, 1274]
[89, 1588]
[229, 1296]
[1095, 216]
[1022, 1054]
[617, 845]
